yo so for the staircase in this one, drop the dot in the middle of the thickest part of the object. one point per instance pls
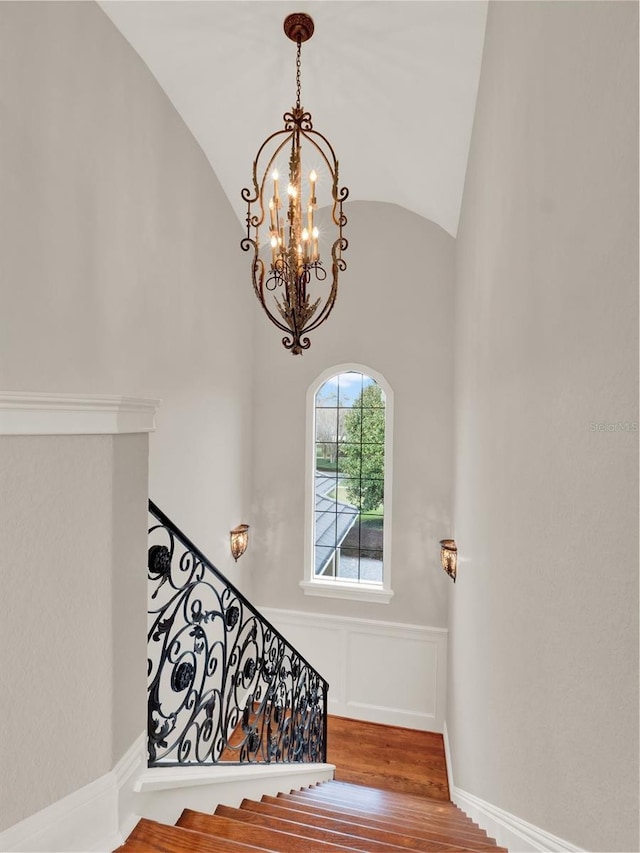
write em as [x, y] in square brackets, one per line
[225, 687]
[326, 818]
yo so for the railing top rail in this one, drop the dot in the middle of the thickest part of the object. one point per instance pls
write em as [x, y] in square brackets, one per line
[168, 523]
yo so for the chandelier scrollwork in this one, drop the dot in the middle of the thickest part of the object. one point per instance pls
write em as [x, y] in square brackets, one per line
[295, 287]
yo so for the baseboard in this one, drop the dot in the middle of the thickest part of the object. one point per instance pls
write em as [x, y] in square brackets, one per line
[96, 817]
[447, 757]
[509, 831]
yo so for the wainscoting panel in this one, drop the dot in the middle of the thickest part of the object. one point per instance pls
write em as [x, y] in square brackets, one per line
[383, 672]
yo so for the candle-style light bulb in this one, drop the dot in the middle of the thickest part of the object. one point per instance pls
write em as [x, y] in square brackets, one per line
[312, 176]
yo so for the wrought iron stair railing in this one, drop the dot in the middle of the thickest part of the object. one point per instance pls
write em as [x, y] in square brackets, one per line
[224, 686]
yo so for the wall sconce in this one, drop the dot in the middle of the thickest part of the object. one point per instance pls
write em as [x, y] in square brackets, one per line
[239, 540]
[449, 557]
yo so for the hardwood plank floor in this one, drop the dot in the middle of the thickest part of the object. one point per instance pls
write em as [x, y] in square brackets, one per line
[388, 757]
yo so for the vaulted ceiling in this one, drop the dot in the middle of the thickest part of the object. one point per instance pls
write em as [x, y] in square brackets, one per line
[392, 84]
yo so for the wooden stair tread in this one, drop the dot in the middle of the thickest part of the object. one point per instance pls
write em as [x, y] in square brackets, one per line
[414, 828]
[341, 825]
[397, 798]
[379, 830]
[261, 836]
[438, 820]
[353, 842]
[149, 836]
[379, 801]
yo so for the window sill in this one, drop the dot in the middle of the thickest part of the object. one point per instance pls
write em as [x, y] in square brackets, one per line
[345, 589]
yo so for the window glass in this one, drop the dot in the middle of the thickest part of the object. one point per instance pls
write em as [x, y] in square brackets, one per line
[348, 535]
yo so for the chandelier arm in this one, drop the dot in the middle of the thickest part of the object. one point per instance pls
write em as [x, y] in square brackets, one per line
[257, 274]
[327, 307]
[274, 319]
[287, 312]
[338, 194]
[331, 166]
[257, 220]
[246, 192]
[344, 192]
[338, 265]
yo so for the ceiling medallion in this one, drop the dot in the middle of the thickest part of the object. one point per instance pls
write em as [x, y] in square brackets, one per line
[288, 234]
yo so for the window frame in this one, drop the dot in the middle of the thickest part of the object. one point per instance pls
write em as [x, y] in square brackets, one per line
[331, 587]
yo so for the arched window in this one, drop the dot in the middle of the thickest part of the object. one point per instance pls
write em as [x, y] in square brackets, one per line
[349, 485]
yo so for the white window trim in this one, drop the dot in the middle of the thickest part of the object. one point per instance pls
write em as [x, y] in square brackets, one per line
[336, 587]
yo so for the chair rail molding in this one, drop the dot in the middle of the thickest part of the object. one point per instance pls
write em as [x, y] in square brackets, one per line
[380, 672]
[26, 413]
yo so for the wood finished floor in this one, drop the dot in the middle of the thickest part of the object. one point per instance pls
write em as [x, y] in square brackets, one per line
[388, 757]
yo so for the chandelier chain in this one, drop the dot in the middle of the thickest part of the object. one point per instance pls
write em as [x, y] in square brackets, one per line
[298, 66]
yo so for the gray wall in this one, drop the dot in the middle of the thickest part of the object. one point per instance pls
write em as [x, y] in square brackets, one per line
[121, 266]
[393, 314]
[121, 274]
[543, 677]
[72, 612]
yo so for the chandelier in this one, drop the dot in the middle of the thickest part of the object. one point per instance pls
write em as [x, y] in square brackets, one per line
[288, 230]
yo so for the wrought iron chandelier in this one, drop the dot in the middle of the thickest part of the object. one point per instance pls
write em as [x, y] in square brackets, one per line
[295, 288]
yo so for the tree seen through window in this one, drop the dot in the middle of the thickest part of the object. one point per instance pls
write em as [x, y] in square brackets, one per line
[349, 478]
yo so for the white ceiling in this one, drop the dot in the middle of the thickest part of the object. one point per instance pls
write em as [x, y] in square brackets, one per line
[391, 84]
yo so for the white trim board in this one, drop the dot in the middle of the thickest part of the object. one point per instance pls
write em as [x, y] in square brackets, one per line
[95, 817]
[166, 792]
[24, 413]
[381, 672]
[510, 831]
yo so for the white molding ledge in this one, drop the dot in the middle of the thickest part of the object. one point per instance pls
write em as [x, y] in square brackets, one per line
[163, 778]
[23, 413]
[509, 830]
[352, 591]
